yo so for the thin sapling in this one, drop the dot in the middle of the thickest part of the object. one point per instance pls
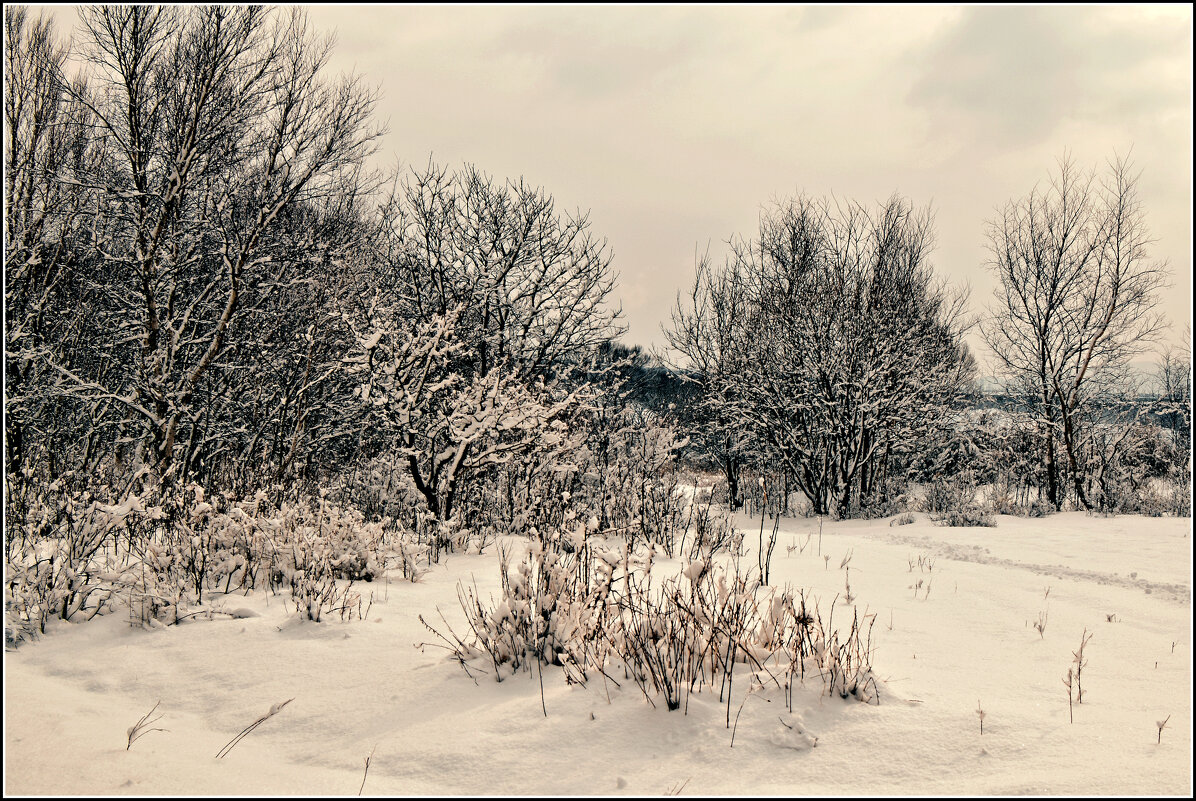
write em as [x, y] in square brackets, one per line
[1068, 683]
[1080, 663]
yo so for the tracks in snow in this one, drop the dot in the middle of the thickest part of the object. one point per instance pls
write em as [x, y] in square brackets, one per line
[975, 553]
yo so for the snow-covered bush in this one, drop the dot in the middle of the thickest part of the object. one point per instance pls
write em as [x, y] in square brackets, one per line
[640, 484]
[381, 488]
[1158, 497]
[308, 547]
[1142, 470]
[1001, 497]
[219, 546]
[709, 531]
[162, 551]
[952, 501]
[1039, 508]
[886, 500]
[968, 516]
[620, 468]
[58, 561]
[950, 493]
[1179, 488]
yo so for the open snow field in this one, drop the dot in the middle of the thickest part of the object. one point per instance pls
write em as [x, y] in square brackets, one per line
[365, 687]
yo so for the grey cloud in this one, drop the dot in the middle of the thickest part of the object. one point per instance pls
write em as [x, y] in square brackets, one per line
[1015, 73]
[813, 18]
[596, 52]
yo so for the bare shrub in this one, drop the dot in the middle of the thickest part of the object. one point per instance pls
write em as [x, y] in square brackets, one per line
[554, 603]
[595, 608]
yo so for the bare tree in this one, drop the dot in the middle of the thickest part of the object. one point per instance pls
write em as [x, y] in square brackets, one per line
[45, 231]
[448, 427]
[844, 350]
[532, 283]
[221, 131]
[708, 332]
[1076, 303]
[523, 291]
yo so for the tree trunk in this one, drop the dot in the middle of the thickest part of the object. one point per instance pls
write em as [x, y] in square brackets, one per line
[1053, 487]
[731, 470]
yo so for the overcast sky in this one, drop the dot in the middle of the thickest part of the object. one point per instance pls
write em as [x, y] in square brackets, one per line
[674, 125]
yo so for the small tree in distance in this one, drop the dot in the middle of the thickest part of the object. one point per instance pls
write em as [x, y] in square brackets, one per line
[1076, 303]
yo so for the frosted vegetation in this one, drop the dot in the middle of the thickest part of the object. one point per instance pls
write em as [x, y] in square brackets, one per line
[255, 388]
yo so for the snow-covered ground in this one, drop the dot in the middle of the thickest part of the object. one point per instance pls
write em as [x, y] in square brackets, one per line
[366, 686]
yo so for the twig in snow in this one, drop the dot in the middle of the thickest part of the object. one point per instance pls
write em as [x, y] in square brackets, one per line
[1040, 624]
[735, 728]
[676, 789]
[543, 706]
[274, 710]
[367, 768]
[139, 729]
[1161, 724]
